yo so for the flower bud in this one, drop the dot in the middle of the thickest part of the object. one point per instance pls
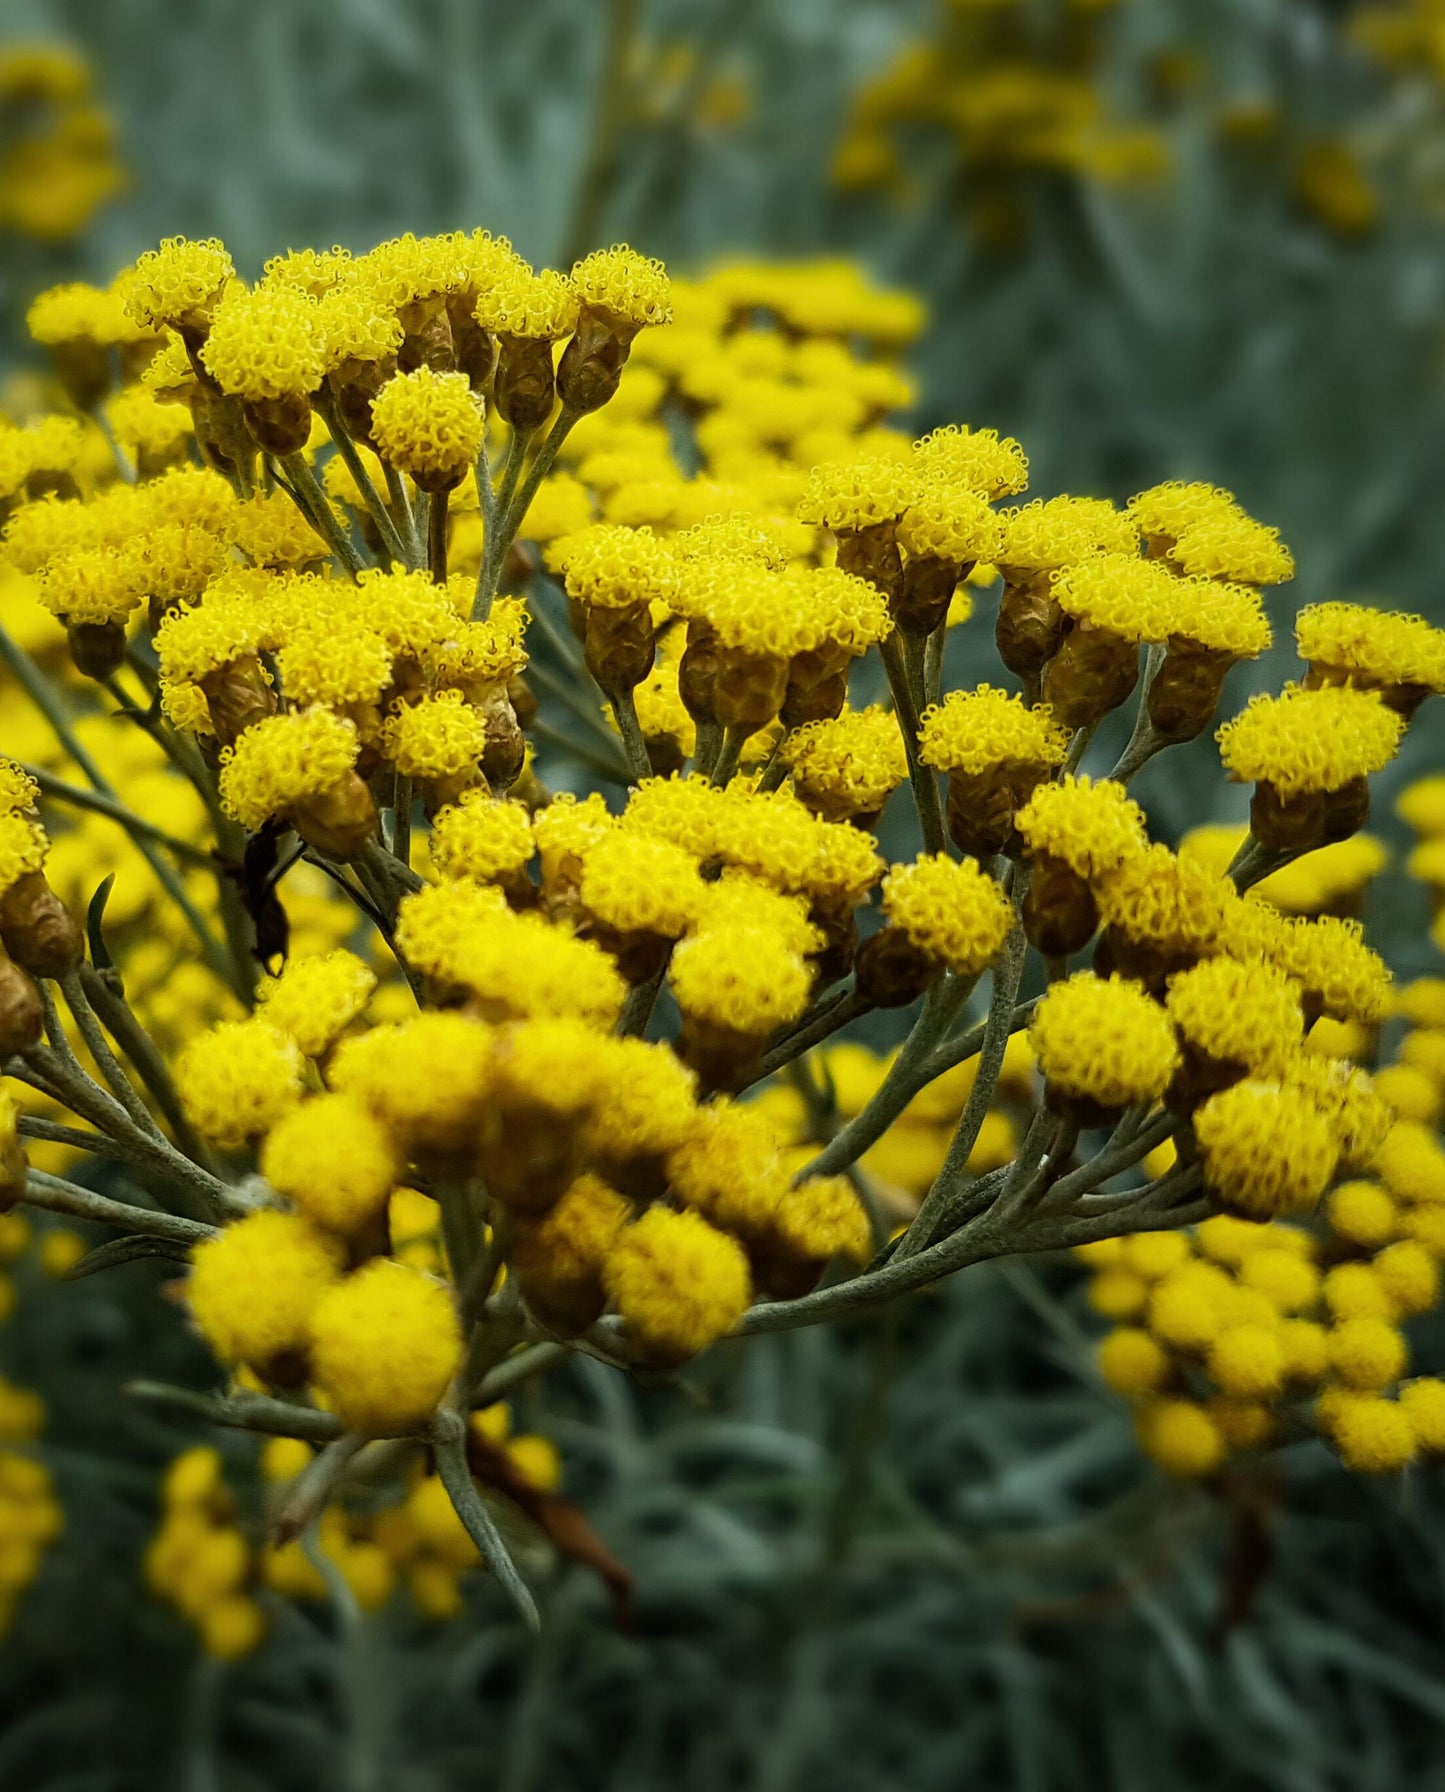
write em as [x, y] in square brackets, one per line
[1092, 673]
[697, 671]
[38, 931]
[929, 582]
[892, 969]
[872, 554]
[97, 649]
[525, 386]
[238, 694]
[22, 1019]
[749, 689]
[590, 370]
[1030, 627]
[620, 645]
[279, 426]
[353, 387]
[338, 822]
[1059, 912]
[1185, 691]
[1309, 818]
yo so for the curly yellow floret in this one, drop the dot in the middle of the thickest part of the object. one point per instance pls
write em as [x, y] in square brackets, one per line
[1382, 648]
[315, 999]
[1238, 1013]
[978, 460]
[1105, 1040]
[952, 910]
[334, 1160]
[539, 307]
[178, 283]
[282, 760]
[266, 344]
[430, 425]
[435, 737]
[624, 285]
[1091, 827]
[1265, 1147]
[1226, 544]
[677, 1282]
[236, 1080]
[972, 731]
[749, 981]
[1310, 740]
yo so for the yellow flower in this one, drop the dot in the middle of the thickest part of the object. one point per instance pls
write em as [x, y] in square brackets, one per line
[238, 1079]
[429, 424]
[255, 1285]
[179, 284]
[385, 1342]
[678, 1283]
[1265, 1147]
[1248, 1015]
[316, 999]
[1104, 1040]
[266, 344]
[334, 1160]
[1305, 740]
[974, 731]
[952, 911]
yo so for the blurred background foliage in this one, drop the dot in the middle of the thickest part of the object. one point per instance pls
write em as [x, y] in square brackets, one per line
[1196, 238]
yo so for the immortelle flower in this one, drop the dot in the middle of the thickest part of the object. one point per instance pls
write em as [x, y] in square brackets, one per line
[1265, 1148]
[299, 767]
[385, 1342]
[619, 293]
[1074, 831]
[428, 425]
[941, 916]
[1102, 1044]
[334, 1161]
[254, 1287]
[1310, 754]
[996, 750]
[1401, 656]
[1234, 1020]
[678, 1283]
[266, 348]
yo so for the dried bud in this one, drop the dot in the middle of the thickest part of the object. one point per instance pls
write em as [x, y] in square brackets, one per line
[475, 348]
[749, 689]
[1030, 627]
[339, 822]
[981, 806]
[353, 386]
[892, 969]
[22, 1019]
[1092, 673]
[697, 672]
[929, 583]
[39, 932]
[1310, 818]
[620, 646]
[525, 388]
[505, 750]
[238, 694]
[97, 649]
[1185, 691]
[873, 554]
[1059, 912]
[591, 366]
[428, 340]
[279, 426]
[723, 1058]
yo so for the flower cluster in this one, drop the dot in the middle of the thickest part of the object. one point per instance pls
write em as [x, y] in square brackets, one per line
[468, 797]
[58, 164]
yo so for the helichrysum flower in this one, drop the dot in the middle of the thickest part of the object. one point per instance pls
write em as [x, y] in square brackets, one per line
[1164, 512]
[678, 1283]
[1238, 1015]
[978, 460]
[427, 1079]
[749, 982]
[1181, 1437]
[430, 425]
[849, 766]
[1092, 827]
[385, 1342]
[482, 837]
[1224, 543]
[628, 288]
[316, 999]
[254, 1286]
[951, 911]
[1401, 656]
[285, 761]
[436, 738]
[976, 731]
[1372, 1434]
[179, 284]
[1104, 1041]
[265, 344]
[851, 496]
[238, 1079]
[334, 1161]
[1302, 740]
[1266, 1148]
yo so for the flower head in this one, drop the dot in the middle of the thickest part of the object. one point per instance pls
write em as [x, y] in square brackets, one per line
[1305, 740]
[951, 910]
[1104, 1039]
[385, 1342]
[430, 425]
[1266, 1148]
[255, 1285]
